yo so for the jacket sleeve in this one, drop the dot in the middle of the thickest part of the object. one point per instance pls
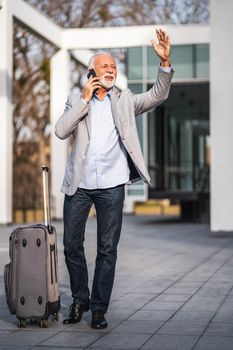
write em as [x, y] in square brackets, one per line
[73, 113]
[155, 96]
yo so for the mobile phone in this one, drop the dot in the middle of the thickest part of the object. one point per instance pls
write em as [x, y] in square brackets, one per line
[91, 73]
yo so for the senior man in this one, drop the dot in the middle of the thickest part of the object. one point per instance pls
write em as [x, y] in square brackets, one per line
[105, 155]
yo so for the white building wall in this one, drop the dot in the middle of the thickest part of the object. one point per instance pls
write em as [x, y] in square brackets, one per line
[130, 36]
[6, 30]
[221, 120]
[59, 90]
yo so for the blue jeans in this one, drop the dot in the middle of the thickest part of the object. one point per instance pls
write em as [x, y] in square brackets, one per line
[109, 207]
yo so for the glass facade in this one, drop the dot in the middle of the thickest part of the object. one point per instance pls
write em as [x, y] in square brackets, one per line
[177, 132]
[189, 61]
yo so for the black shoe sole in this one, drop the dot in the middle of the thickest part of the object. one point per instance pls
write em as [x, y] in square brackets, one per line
[97, 326]
[71, 321]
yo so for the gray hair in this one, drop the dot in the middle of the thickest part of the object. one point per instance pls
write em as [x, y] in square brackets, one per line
[92, 59]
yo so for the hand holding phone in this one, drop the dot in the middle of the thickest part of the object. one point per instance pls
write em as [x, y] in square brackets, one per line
[91, 86]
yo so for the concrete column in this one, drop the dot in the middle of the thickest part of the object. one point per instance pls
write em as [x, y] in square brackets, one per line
[6, 42]
[221, 116]
[59, 90]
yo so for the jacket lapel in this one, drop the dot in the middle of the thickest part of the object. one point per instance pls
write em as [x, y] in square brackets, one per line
[114, 98]
[88, 123]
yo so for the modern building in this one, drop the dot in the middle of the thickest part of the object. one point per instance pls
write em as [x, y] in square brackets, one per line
[186, 141]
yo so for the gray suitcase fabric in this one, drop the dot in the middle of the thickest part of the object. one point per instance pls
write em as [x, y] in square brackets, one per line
[31, 278]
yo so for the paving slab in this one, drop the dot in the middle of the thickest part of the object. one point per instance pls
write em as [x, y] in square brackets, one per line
[72, 339]
[194, 316]
[25, 337]
[172, 297]
[137, 327]
[163, 305]
[125, 341]
[222, 329]
[183, 328]
[171, 342]
[158, 315]
[214, 343]
[225, 316]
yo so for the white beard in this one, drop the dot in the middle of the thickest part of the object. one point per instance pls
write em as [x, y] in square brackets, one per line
[106, 84]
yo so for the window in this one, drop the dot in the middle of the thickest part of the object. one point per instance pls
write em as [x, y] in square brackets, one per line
[135, 64]
[202, 61]
[182, 60]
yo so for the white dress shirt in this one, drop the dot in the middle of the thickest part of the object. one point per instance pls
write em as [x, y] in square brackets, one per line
[105, 164]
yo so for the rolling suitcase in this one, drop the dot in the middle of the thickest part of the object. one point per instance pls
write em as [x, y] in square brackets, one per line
[31, 277]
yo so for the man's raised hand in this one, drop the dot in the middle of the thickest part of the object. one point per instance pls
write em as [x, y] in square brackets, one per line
[162, 49]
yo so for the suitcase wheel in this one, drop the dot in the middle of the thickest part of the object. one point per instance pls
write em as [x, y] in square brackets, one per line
[43, 324]
[22, 323]
[55, 316]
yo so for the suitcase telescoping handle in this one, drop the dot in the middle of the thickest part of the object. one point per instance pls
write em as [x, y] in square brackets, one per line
[46, 195]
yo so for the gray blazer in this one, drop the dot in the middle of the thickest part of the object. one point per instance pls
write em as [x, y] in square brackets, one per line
[75, 122]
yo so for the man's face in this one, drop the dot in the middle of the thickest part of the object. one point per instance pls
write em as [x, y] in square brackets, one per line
[105, 68]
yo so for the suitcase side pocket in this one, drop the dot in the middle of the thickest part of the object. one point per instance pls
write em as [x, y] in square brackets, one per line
[51, 262]
[55, 262]
[8, 288]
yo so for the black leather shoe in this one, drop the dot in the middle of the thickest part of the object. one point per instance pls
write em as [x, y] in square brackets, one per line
[75, 313]
[98, 320]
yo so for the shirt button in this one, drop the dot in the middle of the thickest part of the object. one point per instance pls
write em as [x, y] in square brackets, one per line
[123, 139]
[84, 157]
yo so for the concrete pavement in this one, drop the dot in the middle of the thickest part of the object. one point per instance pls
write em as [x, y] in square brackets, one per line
[173, 291]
